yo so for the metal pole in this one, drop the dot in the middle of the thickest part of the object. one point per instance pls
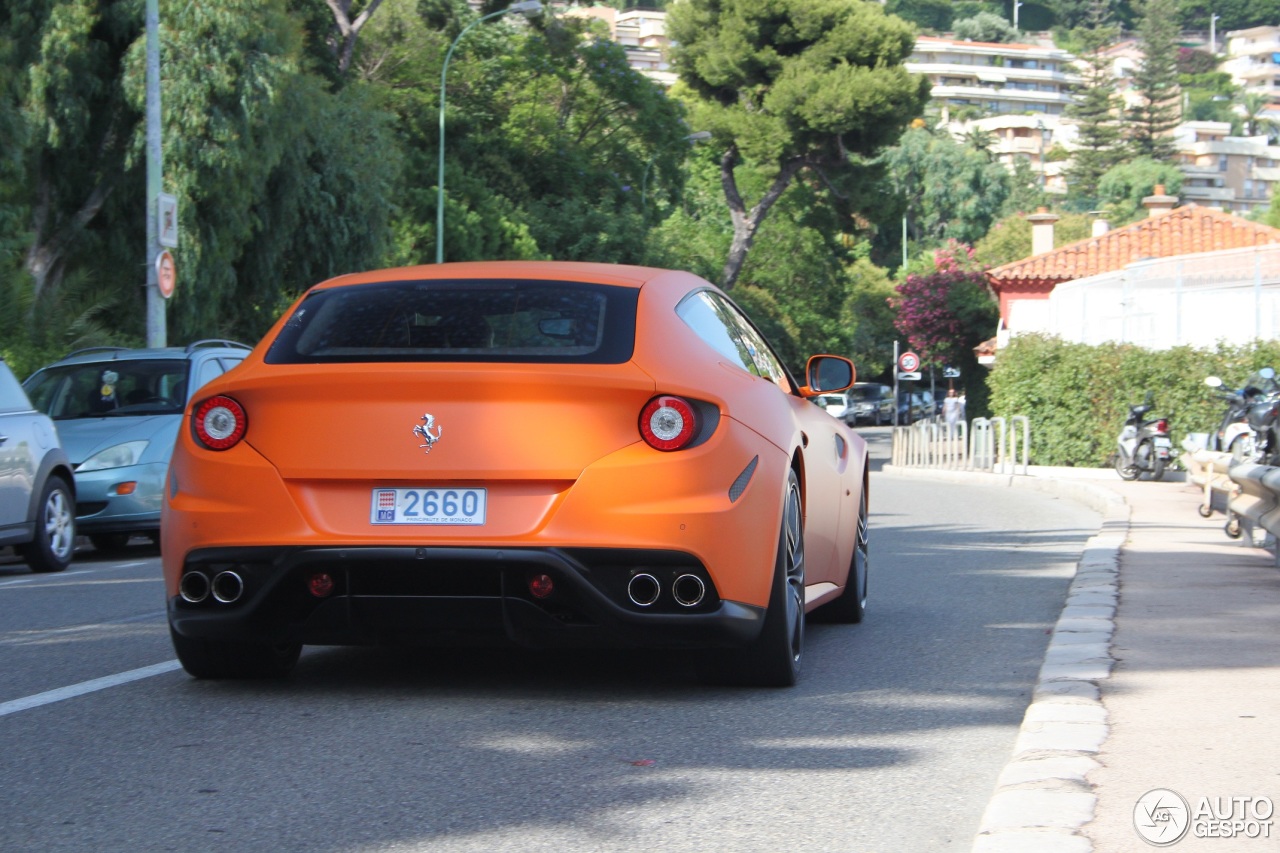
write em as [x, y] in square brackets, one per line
[156, 331]
[895, 380]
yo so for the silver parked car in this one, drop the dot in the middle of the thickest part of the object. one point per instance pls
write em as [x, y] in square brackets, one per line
[118, 411]
[37, 490]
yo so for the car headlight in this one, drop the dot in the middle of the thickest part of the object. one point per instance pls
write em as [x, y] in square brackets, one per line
[116, 456]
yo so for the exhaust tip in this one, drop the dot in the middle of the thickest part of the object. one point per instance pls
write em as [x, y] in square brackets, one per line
[689, 590]
[227, 587]
[643, 590]
[194, 587]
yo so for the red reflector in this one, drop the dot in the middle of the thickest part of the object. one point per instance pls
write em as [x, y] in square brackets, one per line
[320, 584]
[668, 423]
[540, 586]
[1162, 426]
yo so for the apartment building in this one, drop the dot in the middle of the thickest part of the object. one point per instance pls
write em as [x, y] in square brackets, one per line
[1232, 173]
[642, 33]
[973, 79]
[1253, 60]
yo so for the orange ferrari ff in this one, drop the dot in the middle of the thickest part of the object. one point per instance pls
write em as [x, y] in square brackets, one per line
[550, 453]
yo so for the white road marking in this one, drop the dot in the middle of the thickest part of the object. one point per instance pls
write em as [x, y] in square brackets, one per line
[70, 692]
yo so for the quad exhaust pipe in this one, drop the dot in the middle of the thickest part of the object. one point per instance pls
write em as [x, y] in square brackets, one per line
[688, 590]
[644, 590]
[226, 587]
[194, 587]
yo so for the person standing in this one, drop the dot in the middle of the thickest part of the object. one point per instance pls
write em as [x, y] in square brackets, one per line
[952, 410]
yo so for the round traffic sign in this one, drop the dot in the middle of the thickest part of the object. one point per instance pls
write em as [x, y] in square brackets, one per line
[908, 362]
[166, 274]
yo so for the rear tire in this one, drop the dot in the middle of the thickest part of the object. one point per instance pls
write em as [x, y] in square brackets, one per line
[772, 659]
[222, 659]
[55, 534]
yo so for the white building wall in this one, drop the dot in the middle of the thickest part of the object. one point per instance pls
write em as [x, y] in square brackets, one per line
[1194, 300]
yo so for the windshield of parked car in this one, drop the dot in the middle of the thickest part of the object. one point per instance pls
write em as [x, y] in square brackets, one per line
[498, 320]
[864, 394]
[113, 388]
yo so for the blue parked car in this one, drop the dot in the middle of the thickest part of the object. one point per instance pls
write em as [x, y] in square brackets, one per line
[118, 412]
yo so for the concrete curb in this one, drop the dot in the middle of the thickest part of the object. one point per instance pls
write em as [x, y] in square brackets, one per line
[1043, 797]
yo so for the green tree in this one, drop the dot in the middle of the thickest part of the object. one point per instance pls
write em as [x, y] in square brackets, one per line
[947, 190]
[1155, 80]
[1096, 108]
[551, 137]
[791, 86]
[1124, 187]
[1009, 239]
[933, 15]
[986, 26]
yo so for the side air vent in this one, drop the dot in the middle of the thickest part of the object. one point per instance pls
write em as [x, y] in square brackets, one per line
[740, 485]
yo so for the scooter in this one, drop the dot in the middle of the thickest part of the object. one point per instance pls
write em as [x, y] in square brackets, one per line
[1249, 430]
[1143, 446]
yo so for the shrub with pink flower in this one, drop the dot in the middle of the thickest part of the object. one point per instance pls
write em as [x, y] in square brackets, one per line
[948, 312]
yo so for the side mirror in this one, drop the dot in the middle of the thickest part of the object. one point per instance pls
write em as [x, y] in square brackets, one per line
[825, 374]
[1213, 382]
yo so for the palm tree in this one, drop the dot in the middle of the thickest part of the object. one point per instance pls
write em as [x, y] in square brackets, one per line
[1255, 124]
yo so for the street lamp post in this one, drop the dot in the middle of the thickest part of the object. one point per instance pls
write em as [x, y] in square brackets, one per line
[528, 8]
[696, 136]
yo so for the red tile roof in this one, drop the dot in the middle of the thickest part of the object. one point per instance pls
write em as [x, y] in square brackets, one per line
[1183, 231]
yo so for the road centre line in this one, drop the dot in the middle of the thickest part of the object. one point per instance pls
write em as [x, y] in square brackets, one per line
[70, 692]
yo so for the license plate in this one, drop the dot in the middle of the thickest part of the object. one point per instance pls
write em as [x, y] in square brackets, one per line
[1163, 442]
[429, 505]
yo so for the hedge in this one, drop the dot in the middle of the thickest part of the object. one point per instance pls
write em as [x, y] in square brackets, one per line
[1077, 396]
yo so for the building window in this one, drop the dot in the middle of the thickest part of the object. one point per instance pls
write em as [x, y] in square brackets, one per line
[1222, 162]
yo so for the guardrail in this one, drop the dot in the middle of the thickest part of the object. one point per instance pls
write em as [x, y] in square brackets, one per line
[997, 445]
[1257, 505]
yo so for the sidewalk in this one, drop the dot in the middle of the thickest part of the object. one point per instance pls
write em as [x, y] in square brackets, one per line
[1163, 673]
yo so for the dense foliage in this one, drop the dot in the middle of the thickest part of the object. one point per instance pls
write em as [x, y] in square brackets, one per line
[1076, 396]
[792, 86]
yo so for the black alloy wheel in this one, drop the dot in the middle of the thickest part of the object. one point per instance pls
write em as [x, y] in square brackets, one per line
[850, 606]
[772, 659]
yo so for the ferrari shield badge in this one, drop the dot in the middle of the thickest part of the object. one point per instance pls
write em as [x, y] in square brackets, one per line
[423, 431]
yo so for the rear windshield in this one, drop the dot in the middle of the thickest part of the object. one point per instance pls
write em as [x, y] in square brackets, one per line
[865, 393]
[116, 388]
[440, 320]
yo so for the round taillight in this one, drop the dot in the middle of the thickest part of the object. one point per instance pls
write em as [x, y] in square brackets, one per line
[668, 423]
[220, 423]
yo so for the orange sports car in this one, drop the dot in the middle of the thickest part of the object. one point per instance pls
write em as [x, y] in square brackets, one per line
[554, 453]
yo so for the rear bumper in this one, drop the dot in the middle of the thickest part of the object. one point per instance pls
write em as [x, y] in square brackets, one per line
[458, 596]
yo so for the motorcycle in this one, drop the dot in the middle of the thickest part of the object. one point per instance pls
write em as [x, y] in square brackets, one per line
[1250, 427]
[1143, 445]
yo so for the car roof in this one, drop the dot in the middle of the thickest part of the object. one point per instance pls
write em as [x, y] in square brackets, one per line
[95, 354]
[621, 275]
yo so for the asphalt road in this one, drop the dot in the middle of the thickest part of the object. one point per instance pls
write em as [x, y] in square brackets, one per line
[892, 742]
